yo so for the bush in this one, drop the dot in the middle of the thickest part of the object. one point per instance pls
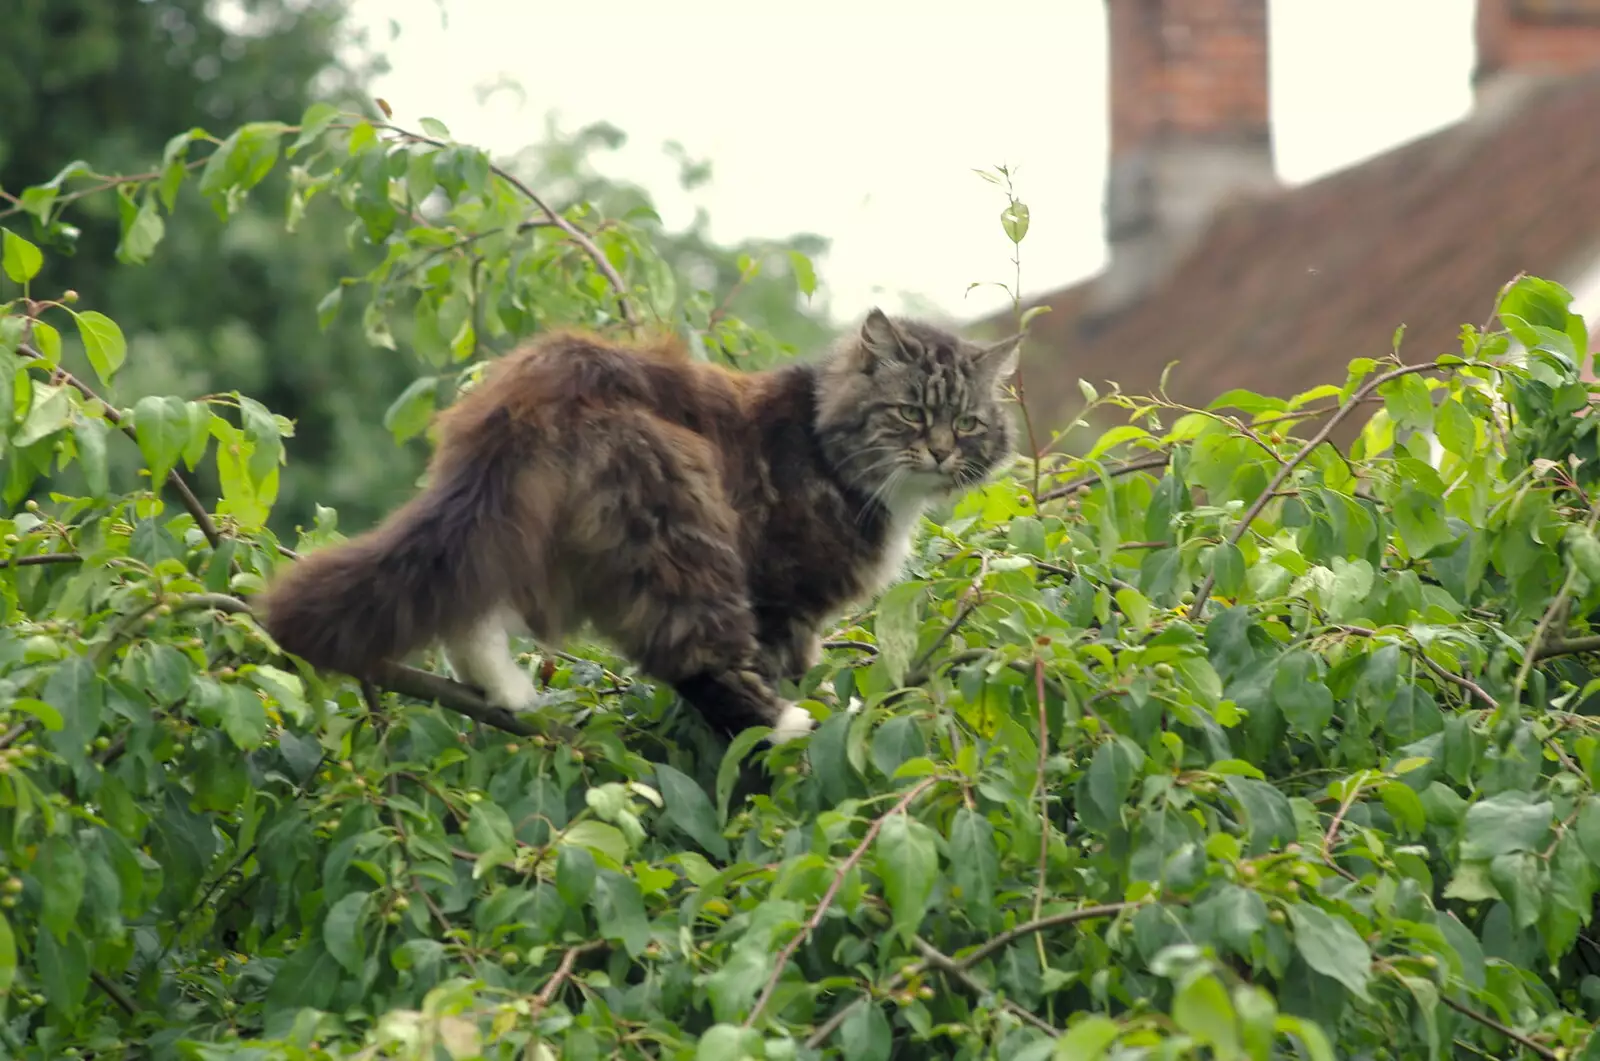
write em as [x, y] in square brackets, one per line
[1209, 742]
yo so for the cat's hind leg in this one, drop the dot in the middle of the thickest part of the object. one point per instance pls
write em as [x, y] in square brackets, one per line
[481, 656]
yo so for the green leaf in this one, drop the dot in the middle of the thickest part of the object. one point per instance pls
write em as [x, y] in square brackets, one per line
[804, 275]
[896, 627]
[619, 911]
[91, 437]
[1227, 567]
[1087, 1039]
[8, 955]
[48, 340]
[77, 692]
[161, 426]
[897, 741]
[328, 307]
[21, 259]
[727, 1042]
[1014, 220]
[1455, 427]
[313, 123]
[974, 862]
[575, 874]
[728, 770]
[690, 810]
[1266, 811]
[866, 1035]
[342, 931]
[240, 162]
[1405, 805]
[1258, 1015]
[49, 410]
[489, 829]
[1202, 1008]
[63, 971]
[244, 717]
[48, 716]
[142, 230]
[409, 415]
[1298, 690]
[60, 871]
[598, 837]
[1315, 1042]
[906, 853]
[1331, 947]
[1505, 823]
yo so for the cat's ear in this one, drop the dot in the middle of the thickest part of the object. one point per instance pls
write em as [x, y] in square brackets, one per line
[881, 339]
[996, 362]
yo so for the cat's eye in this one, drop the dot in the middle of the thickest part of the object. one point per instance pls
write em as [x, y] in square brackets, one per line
[966, 424]
[911, 414]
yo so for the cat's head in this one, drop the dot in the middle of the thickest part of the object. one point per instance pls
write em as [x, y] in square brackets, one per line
[910, 412]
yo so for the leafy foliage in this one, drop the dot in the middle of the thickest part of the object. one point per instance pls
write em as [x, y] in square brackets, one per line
[1211, 742]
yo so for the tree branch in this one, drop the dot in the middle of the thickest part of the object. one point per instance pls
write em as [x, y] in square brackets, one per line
[114, 992]
[409, 681]
[191, 504]
[564, 970]
[1043, 924]
[1203, 594]
[1567, 646]
[43, 558]
[1069, 917]
[950, 967]
[828, 896]
[573, 232]
[918, 673]
[1494, 1025]
[1158, 460]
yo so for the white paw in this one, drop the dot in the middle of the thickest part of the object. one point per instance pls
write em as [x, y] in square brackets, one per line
[514, 691]
[793, 722]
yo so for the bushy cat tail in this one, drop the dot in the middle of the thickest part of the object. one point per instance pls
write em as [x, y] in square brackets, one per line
[431, 568]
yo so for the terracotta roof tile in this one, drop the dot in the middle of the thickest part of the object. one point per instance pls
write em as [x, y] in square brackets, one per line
[1283, 290]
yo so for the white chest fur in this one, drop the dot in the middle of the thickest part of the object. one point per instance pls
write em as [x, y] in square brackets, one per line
[904, 515]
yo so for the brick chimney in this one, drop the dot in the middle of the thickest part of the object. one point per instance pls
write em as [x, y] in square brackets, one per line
[1536, 38]
[1190, 127]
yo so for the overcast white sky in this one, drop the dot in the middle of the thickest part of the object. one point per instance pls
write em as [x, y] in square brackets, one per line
[863, 119]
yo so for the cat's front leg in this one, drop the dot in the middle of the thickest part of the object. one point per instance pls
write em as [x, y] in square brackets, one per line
[789, 647]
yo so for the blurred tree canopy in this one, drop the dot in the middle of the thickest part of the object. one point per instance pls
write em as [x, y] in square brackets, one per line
[222, 308]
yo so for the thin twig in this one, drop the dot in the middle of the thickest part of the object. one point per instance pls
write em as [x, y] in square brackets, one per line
[114, 992]
[1203, 594]
[1455, 679]
[1331, 837]
[563, 971]
[191, 503]
[1044, 924]
[1087, 913]
[833, 890]
[43, 558]
[950, 967]
[1494, 1025]
[577, 235]
[1042, 793]
[1558, 607]
[1139, 464]
[917, 673]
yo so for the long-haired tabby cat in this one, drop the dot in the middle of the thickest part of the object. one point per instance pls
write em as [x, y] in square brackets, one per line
[707, 522]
